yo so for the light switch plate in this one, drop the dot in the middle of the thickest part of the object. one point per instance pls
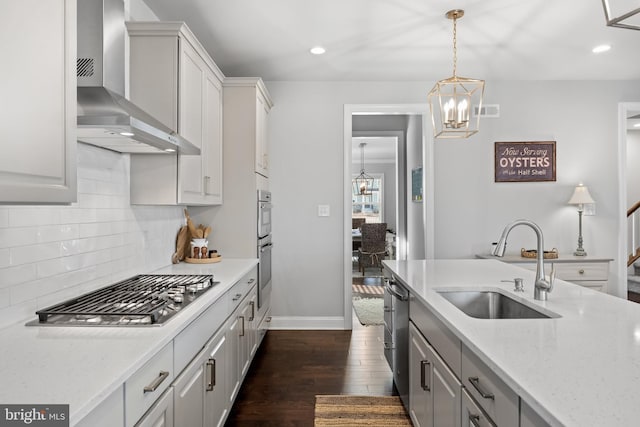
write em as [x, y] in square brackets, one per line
[323, 210]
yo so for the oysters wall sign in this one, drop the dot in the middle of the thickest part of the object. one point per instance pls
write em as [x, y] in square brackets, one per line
[525, 161]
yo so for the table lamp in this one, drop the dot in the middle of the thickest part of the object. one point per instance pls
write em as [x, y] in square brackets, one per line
[580, 198]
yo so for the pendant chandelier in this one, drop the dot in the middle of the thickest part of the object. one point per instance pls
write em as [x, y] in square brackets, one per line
[363, 183]
[621, 14]
[451, 100]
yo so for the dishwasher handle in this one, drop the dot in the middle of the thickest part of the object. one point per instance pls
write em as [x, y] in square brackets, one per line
[388, 286]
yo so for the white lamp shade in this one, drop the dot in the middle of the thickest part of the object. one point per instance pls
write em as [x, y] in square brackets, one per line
[581, 196]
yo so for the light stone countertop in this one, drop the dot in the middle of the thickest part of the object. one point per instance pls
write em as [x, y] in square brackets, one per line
[582, 369]
[81, 366]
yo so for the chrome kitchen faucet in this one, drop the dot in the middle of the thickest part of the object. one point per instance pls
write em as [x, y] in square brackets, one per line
[542, 287]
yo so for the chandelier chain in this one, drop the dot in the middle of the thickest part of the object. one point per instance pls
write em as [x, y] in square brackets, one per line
[455, 45]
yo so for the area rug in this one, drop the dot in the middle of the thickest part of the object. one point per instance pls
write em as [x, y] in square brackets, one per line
[370, 311]
[351, 411]
[368, 286]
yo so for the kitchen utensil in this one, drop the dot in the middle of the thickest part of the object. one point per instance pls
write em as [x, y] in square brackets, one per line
[207, 231]
[181, 241]
[192, 228]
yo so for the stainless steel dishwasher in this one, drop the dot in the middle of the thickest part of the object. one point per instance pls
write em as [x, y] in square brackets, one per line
[396, 334]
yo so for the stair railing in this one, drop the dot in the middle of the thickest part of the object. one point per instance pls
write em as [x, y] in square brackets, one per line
[633, 233]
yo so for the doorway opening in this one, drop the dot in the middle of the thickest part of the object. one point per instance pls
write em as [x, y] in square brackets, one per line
[404, 135]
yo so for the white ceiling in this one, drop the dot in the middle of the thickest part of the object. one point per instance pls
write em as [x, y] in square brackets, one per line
[376, 150]
[408, 40]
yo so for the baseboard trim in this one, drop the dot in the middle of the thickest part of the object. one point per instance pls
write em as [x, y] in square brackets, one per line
[307, 322]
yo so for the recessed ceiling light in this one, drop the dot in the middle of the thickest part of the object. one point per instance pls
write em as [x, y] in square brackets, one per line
[317, 50]
[126, 133]
[637, 125]
[601, 48]
[169, 150]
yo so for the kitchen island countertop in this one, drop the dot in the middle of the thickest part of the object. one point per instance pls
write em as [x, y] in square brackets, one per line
[581, 369]
[81, 366]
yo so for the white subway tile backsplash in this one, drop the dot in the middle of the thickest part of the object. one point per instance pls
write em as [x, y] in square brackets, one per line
[4, 217]
[5, 258]
[34, 253]
[52, 253]
[33, 216]
[11, 276]
[18, 236]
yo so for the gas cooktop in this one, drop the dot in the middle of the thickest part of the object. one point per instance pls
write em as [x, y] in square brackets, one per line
[143, 300]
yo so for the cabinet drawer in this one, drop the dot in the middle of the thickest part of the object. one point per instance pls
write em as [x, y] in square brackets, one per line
[144, 387]
[596, 285]
[472, 415]
[586, 271]
[491, 393]
[241, 289]
[444, 341]
[195, 336]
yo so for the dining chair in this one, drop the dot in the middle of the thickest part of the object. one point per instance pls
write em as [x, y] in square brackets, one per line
[373, 248]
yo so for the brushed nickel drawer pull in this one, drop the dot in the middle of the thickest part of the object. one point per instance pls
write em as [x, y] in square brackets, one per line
[423, 376]
[211, 367]
[581, 271]
[474, 420]
[251, 280]
[156, 383]
[475, 382]
[253, 310]
[237, 297]
[242, 333]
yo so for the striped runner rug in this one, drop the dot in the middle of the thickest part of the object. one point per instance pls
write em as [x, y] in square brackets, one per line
[353, 411]
[367, 286]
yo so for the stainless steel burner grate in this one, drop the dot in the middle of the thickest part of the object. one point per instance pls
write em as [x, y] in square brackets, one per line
[143, 299]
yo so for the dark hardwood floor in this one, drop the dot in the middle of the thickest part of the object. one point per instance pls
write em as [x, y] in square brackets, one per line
[291, 367]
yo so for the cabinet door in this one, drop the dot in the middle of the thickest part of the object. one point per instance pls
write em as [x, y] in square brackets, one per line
[189, 391]
[216, 398]
[190, 122]
[38, 108]
[233, 357]
[529, 417]
[262, 141]
[212, 141]
[434, 391]
[161, 413]
[420, 397]
[245, 334]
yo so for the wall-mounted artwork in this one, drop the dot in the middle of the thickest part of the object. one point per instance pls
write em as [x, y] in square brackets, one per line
[416, 184]
[525, 161]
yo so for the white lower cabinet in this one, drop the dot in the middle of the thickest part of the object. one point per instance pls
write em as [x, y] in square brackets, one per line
[224, 339]
[450, 386]
[435, 392]
[199, 392]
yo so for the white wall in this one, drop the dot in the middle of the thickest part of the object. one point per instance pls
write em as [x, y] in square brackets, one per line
[415, 210]
[470, 209]
[633, 167]
[52, 253]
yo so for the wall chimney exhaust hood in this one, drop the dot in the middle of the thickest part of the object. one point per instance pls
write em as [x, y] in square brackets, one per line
[105, 117]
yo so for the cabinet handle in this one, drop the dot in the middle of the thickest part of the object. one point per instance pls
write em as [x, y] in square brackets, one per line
[475, 382]
[242, 318]
[423, 376]
[474, 420]
[253, 310]
[156, 383]
[251, 280]
[388, 346]
[237, 297]
[581, 271]
[211, 368]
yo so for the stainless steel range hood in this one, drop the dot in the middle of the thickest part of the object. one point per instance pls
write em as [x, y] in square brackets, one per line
[105, 117]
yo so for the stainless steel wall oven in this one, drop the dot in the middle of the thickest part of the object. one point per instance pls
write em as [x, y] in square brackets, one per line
[265, 246]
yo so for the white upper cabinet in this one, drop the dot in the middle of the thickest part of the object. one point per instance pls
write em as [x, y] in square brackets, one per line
[38, 102]
[173, 78]
[248, 104]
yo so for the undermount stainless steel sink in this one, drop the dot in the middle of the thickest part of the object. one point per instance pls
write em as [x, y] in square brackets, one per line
[492, 305]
